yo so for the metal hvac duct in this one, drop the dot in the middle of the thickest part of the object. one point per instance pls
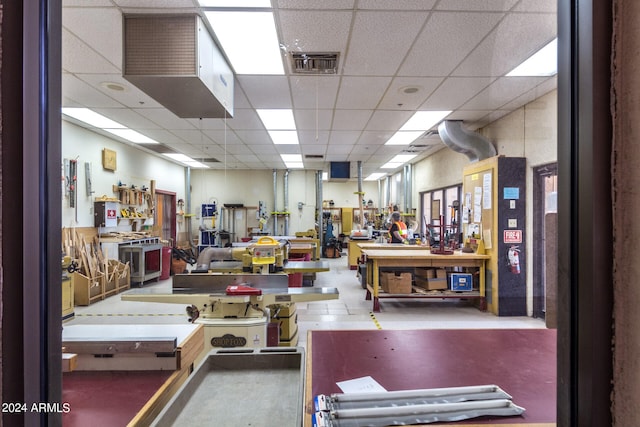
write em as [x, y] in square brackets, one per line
[472, 144]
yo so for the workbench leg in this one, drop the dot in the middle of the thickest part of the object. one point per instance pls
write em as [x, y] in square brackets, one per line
[376, 305]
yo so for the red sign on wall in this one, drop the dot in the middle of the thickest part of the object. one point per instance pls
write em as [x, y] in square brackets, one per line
[111, 213]
[512, 236]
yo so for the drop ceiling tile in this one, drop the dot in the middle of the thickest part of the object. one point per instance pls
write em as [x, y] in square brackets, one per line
[262, 149]
[99, 28]
[311, 137]
[155, 4]
[396, 4]
[85, 3]
[485, 5]
[388, 120]
[501, 92]
[192, 136]
[343, 138]
[245, 119]
[163, 136]
[314, 91]
[361, 93]
[266, 91]
[129, 96]
[314, 31]
[129, 118]
[244, 158]
[222, 137]
[380, 41]
[254, 137]
[351, 119]
[84, 94]
[375, 138]
[549, 6]
[441, 46]
[165, 118]
[401, 95]
[312, 119]
[314, 4]
[455, 91]
[509, 44]
[77, 57]
[216, 124]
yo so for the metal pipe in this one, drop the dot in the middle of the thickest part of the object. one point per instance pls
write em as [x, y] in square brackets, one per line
[275, 201]
[319, 211]
[286, 202]
[409, 195]
[360, 195]
[388, 192]
[187, 203]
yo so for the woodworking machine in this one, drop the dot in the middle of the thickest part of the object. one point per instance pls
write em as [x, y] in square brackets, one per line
[234, 308]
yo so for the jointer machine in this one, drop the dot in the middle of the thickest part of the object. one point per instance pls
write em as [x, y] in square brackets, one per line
[236, 300]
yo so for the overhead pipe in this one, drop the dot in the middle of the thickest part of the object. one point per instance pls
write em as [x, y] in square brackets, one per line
[286, 202]
[472, 144]
[275, 201]
[319, 211]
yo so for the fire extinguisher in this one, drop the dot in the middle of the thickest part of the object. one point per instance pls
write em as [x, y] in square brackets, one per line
[514, 259]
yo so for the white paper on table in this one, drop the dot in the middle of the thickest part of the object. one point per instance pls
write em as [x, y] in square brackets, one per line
[360, 385]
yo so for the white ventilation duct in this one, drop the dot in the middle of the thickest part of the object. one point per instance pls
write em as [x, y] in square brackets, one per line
[174, 60]
[473, 145]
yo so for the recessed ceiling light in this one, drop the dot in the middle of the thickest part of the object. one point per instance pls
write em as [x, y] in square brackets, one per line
[132, 135]
[277, 119]
[410, 89]
[424, 120]
[92, 118]
[375, 176]
[113, 86]
[249, 40]
[542, 63]
[283, 137]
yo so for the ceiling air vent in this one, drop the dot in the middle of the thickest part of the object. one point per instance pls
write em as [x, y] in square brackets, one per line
[314, 63]
[313, 156]
[158, 148]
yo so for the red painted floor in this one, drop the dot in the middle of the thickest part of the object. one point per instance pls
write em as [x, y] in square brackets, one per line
[108, 398]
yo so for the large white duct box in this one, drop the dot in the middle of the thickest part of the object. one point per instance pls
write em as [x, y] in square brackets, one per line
[174, 59]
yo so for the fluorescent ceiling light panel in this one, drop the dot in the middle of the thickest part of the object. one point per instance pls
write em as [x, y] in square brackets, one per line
[277, 119]
[249, 39]
[294, 165]
[291, 158]
[375, 176]
[284, 137]
[235, 3]
[91, 118]
[403, 138]
[542, 63]
[391, 165]
[424, 120]
[182, 158]
[402, 158]
[132, 135]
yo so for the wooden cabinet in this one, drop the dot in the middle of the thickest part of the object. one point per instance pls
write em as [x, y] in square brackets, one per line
[67, 298]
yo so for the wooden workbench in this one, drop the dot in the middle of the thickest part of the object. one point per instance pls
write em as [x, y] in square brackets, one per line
[122, 393]
[377, 258]
[520, 361]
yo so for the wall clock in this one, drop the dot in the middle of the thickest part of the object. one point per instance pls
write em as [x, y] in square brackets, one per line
[108, 159]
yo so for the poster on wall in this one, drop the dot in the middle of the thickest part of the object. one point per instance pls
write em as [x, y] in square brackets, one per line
[477, 205]
[486, 191]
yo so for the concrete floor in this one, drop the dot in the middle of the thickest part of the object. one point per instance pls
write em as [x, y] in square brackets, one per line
[350, 311]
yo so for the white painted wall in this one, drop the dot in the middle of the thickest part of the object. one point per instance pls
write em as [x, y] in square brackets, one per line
[133, 167]
[530, 132]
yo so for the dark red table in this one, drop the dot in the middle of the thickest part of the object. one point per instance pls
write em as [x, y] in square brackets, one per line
[520, 361]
